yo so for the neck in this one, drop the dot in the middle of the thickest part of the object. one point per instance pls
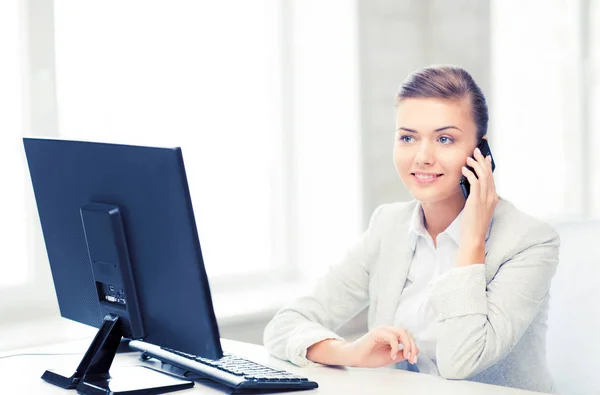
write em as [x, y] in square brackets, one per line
[439, 215]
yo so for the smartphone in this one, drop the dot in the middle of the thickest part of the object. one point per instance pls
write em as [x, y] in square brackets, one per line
[465, 186]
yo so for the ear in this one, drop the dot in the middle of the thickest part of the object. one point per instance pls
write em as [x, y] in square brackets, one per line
[484, 137]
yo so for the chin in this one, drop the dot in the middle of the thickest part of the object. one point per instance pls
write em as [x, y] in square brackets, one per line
[426, 197]
[432, 196]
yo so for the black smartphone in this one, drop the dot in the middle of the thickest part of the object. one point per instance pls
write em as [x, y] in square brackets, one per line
[465, 186]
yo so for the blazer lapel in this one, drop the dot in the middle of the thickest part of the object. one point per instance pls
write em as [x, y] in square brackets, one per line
[392, 277]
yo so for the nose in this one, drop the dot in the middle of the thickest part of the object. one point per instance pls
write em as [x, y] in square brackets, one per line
[425, 154]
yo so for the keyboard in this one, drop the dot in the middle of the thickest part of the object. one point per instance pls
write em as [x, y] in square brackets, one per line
[231, 370]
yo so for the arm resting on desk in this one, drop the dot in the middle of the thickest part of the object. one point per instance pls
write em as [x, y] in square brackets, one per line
[338, 297]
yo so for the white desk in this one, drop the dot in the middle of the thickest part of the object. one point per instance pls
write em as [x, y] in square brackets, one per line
[21, 374]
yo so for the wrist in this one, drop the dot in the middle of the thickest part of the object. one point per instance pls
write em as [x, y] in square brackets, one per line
[471, 253]
[348, 354]
[471, 243]
[330, 352]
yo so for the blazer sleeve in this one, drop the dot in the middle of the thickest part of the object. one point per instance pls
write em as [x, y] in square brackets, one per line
[339, 295]
[481, 324]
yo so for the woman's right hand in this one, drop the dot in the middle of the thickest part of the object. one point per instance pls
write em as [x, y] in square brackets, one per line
[380, 347]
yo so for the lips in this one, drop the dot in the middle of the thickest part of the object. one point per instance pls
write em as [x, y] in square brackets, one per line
[425, 178]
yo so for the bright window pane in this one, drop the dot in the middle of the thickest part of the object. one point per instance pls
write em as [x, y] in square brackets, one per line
[535, 103]
[205, 76]
[13, 251]
[594, 105]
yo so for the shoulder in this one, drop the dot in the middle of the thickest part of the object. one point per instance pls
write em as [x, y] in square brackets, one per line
[508, 218]
[389, 215]
[517, 230]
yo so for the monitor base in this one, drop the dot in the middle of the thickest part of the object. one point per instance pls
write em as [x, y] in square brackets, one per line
[92, 375]
[133, 380]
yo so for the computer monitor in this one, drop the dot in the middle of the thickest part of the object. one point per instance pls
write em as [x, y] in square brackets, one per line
[123, 248]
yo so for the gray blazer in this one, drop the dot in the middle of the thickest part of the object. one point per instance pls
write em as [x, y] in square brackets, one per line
[492, 317]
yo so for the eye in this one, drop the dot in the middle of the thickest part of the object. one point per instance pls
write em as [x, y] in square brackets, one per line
[445, 140]
[406, 138]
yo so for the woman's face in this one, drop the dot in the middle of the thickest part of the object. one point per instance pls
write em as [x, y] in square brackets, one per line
[434, 137]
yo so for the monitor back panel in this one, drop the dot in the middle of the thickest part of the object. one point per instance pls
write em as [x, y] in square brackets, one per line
[150, 187]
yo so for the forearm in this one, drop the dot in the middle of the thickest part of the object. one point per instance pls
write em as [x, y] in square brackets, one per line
[289, 335]
[330, 352]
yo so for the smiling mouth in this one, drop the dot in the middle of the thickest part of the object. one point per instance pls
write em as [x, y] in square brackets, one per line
[426, 177]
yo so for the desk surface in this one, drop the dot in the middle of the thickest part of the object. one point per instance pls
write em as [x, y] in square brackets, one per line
[21, 374]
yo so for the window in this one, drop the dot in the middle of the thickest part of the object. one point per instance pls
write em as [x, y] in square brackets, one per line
[323, 44]
[593, 76]
[265, 111]
[540, 106]
[13, 247]
[190, 74]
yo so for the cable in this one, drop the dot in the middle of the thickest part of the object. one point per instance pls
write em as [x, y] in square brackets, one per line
[38, 354]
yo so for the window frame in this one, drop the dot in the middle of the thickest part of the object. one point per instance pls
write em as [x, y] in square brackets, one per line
[35, 297]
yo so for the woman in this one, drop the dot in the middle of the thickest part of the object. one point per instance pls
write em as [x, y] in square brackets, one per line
[460, 286]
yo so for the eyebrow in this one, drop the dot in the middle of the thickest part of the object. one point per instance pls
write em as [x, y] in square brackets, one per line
[436, 130]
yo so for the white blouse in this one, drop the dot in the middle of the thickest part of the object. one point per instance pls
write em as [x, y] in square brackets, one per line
[415, 311]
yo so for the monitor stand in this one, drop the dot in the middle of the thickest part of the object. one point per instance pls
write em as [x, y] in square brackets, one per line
[92, 375]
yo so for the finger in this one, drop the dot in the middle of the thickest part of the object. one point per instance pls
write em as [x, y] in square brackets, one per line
[492, 184]
[483, 160]
[489, 161]
[480, 166]
[404, 337]
[394, 347]
[481, 173]
[486, 165]
[415, 351]
[409, 343]
[414, 348]
[385, 336]
[472, 180]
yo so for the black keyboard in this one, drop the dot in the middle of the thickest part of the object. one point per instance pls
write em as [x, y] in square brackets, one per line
[230, 370]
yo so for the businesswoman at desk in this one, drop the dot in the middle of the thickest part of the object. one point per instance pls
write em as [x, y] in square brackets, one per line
[455, 286]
